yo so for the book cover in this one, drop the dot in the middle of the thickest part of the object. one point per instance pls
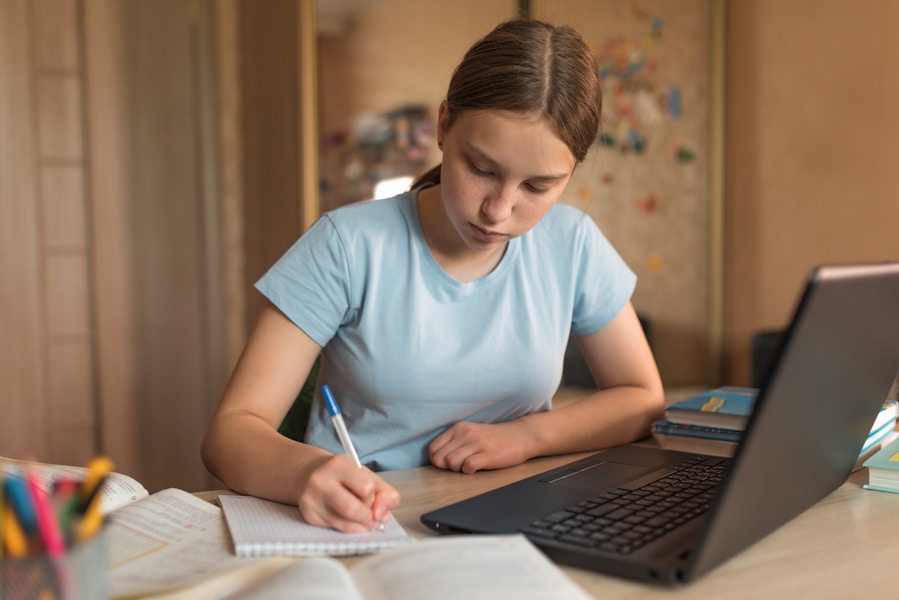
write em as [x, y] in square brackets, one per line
[870, 449]
[666, 427]
[887, 414]
[726, 407]
[685, 443]
[883, 468]
[879, 434]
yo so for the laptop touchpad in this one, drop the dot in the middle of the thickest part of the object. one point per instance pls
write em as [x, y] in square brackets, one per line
[598, 475]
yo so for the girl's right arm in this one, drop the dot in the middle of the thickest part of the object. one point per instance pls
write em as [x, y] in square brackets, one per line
[243, 448]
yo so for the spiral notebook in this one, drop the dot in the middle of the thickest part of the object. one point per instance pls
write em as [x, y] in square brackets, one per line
[264, 528]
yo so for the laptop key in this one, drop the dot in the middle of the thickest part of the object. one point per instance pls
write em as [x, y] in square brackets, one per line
[540, 532]
[577, 540]
[630, 517]
[558, 516]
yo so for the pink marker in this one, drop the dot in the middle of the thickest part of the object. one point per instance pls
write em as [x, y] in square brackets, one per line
[54, 542]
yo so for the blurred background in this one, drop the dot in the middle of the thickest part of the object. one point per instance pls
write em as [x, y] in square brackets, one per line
[156, 156]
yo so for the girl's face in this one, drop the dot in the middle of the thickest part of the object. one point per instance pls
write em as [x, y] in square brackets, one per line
[502, 171]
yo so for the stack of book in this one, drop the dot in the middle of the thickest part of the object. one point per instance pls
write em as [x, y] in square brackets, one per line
[883, 431]
[883, 468]
[713, 421]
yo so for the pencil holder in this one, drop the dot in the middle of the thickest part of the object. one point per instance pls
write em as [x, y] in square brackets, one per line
[80, 574]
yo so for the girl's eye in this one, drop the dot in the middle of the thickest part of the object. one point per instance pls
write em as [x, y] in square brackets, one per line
[478, 171]
[535, 188]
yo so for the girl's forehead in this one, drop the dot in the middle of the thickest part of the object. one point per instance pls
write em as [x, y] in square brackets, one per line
[533, 124]
[514, 138]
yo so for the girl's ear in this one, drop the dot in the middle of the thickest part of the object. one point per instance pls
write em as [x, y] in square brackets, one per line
[443, 117]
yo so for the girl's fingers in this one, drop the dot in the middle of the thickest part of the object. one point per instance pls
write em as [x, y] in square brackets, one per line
[344, 497]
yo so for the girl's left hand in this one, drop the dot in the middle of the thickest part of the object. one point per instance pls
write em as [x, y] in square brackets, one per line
[469, 447]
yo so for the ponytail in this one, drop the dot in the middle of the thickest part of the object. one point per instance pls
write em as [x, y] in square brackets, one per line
[431, 177]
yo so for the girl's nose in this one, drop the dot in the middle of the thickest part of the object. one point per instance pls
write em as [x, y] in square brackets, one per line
[498, 206]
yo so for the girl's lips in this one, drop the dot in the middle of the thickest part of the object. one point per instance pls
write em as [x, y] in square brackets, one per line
[486, 236]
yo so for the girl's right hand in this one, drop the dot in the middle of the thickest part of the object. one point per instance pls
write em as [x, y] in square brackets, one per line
[340, 495]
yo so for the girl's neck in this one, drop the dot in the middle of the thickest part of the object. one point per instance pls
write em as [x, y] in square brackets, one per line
[458, 260]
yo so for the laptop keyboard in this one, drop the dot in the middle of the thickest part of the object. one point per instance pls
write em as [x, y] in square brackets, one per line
[624, 520]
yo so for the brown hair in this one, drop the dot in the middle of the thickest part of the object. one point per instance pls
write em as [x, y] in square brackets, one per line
[530, 66]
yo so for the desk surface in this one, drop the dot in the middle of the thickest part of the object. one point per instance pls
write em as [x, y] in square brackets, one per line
[847, 543]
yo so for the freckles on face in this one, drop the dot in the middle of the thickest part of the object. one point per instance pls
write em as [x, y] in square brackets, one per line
[502, 171]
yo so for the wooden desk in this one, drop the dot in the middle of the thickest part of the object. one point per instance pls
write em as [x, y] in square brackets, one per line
[847, 544]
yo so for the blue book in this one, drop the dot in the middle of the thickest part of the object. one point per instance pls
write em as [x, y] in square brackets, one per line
[884, 427]
[878, 435]
[726, 407]
[883, 468]
[664, 427]
[886, 416]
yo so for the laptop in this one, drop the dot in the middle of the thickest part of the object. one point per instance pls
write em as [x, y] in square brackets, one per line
[827, 381]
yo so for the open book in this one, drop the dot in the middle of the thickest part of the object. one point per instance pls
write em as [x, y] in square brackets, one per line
[469, 566]
[168, 541]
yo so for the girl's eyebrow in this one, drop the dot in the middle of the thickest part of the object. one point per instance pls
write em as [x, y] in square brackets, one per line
[492, 164]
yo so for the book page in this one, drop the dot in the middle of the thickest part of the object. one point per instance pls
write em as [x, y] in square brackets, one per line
[158, 521]
[117, 491]
[474, 567]
[167, 541]
[318, 577]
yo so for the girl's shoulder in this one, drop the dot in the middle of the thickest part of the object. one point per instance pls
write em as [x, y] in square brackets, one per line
[564, 220]
[567, 213]
[366, 210]
[371, 223]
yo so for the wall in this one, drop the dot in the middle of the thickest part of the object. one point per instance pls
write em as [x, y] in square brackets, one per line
[812, 138]
[651, 201]
[21, 339]
[47, 338]
[111, 333]
[270, 100]
[156, 290]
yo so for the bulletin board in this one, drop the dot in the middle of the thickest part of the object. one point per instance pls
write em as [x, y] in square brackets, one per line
[649, 182]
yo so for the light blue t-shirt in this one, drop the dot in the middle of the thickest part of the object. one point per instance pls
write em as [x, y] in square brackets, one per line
[409, 351]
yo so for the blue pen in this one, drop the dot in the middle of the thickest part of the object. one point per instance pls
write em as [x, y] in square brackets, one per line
[342, 432]
[339, 425]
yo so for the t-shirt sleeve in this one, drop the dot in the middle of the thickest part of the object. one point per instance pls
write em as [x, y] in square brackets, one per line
[310, 282]
[604, 282]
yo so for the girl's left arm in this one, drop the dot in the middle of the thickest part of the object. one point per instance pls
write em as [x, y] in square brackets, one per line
[629, 397]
